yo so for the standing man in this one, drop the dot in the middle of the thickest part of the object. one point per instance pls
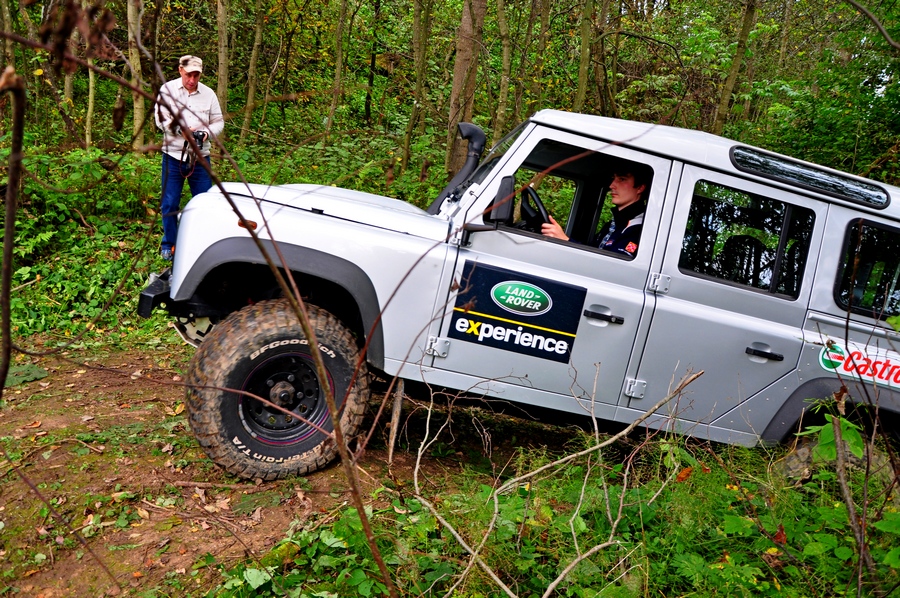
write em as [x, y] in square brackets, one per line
[188, 112]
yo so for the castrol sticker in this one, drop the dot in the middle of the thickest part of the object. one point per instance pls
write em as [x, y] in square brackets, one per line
[881, 368]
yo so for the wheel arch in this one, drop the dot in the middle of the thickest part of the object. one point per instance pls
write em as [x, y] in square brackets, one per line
[789, 414]
[231, 271]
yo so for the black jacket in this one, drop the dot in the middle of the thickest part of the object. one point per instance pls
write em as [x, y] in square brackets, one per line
[625, 236]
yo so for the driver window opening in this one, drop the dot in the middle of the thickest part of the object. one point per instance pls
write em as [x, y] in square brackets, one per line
[582, 191]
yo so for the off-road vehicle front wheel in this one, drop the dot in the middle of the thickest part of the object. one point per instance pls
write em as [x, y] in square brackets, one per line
[261, 350]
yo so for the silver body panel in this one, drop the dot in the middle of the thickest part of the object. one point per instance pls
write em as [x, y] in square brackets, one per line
[419, 264]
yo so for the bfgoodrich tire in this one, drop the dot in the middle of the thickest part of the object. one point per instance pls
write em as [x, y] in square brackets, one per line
[262, 350]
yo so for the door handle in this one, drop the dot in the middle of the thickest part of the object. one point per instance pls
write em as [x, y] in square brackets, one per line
[607, 318]
[764, 354]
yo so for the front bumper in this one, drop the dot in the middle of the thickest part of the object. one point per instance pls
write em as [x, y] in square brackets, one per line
[156, 293]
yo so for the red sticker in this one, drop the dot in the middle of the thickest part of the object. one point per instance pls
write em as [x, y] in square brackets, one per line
[631, 247]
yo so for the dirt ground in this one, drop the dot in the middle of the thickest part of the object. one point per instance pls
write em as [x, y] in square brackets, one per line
[105, 492]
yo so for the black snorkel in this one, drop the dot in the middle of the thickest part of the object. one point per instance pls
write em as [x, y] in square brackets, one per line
[476, 138]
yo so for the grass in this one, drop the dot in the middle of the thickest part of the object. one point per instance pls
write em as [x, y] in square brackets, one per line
[680, 517]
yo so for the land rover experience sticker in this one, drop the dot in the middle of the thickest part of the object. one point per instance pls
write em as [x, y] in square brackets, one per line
[516, 312]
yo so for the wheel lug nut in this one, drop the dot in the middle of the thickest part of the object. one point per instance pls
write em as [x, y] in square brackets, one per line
[270, 383]
[290, 378]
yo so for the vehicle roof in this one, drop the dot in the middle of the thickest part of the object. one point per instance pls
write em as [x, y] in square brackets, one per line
[696, 147]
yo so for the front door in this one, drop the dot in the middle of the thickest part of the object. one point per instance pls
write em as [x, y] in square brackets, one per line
[552, 315]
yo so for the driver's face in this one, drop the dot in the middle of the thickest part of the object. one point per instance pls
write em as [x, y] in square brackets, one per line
[623, 191]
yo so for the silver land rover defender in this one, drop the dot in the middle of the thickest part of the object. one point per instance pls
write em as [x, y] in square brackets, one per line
[773, 276]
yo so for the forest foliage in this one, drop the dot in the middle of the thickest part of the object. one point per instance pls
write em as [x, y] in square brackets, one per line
[366, 94]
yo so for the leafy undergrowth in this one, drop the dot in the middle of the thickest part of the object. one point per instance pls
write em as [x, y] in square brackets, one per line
[103, 439]
[676, 518]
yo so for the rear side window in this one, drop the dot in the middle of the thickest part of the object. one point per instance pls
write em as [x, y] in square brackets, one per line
[746, 239]
[868, 282]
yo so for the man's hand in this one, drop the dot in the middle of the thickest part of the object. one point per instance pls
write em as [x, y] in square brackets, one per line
[553, 230]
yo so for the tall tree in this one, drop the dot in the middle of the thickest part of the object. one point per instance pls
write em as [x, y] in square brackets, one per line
[605, 88]
[540, 55]
[505, 72]
[336, 88]
[465, 69]
[7, 21]
[420, 35]
[137, 78]
[252, 77]
[584, 62]
[222, 9]
[728, 88]
[373, 59]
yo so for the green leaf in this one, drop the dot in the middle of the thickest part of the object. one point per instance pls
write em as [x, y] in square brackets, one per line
[19, 374]
[356, 577]
[736, 525]
[892, 558]
[256, 577]
[889, 523]
[843, 552]
[331, 541]
[815, 549]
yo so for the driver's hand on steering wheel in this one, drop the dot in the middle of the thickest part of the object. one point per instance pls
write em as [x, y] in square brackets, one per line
[553, 229]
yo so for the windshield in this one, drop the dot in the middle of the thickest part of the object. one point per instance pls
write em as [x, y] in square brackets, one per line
[492, 159]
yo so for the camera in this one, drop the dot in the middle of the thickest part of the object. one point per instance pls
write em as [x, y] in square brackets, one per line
[199, 137]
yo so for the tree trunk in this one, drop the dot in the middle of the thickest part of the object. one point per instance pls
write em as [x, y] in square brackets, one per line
[606, 99]
[526, 67]
[373, 56]
[251, 72]
[336, 90]
[465, 69]
[137, 76]
[746, 26]
[222, 9]
[505, 73]
[540, 56]
[584, 61]
[89, 115]
[8, 47]
[785, 30]
[421, 33]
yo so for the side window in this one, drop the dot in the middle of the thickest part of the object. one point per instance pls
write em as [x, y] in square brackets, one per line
[557, 193]
[746, 239]
[869, 281]
[573, 184]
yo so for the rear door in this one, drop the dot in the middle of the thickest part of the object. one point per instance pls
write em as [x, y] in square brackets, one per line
[731, 300]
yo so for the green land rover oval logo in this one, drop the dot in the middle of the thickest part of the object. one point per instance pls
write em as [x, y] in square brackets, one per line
[521, 298]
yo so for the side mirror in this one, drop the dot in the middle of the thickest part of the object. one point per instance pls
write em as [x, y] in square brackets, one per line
[501, 208]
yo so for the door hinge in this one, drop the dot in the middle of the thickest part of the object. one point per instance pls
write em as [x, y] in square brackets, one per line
[437, 346]
[659, 283]
[635, 388]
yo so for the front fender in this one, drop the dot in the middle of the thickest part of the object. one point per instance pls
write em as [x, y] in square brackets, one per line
[303, 260]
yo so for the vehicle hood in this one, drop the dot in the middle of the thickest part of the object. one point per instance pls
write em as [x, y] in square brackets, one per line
[346, 204]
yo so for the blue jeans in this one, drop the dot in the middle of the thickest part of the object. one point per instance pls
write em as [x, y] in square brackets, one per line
[174, 173]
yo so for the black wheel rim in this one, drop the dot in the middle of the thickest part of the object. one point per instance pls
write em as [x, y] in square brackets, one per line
[290, 381]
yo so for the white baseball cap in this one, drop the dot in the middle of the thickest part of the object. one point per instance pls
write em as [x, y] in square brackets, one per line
[191, 64]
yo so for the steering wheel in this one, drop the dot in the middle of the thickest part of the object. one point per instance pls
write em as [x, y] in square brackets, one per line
[533, 211]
